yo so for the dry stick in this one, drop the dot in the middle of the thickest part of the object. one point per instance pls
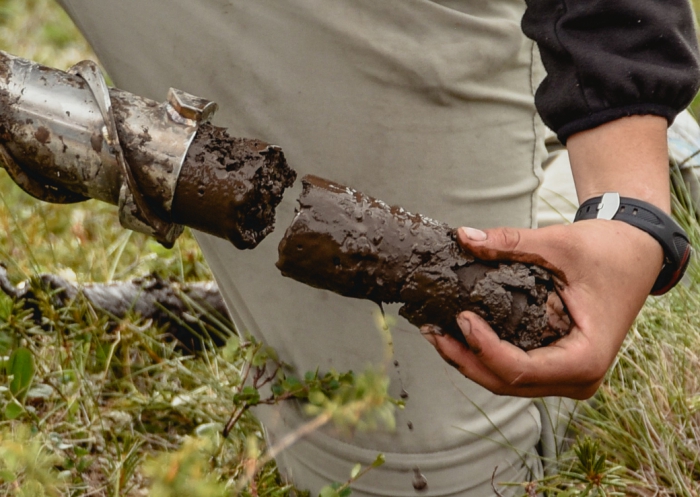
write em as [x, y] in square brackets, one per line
[284, 443]
[299, 433]
[493, 483]
[354, 245]
[181, 306]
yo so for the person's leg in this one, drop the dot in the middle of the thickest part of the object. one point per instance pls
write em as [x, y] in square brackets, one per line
[557, 201]
[423, 104]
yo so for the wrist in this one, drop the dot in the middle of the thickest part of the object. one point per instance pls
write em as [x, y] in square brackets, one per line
[653, 221]
[628, 156]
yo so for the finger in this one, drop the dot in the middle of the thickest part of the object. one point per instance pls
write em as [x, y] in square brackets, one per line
[540, 247]
[564, 368]
[467, 363]
[558, 317]
[502, 359]
[504, 369]
[457, 355]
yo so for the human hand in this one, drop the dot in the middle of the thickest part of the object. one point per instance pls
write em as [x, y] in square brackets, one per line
[604, 271]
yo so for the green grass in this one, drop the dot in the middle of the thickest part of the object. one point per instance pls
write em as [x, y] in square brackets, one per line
[39, 30]
[118, 410]
[108, 406]
[82, 241]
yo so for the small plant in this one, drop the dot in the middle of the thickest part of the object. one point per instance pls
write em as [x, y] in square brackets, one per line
[343, 489]
[186, 471]
[592, 468]
[589, 473]
[27, 468]
[20, 369]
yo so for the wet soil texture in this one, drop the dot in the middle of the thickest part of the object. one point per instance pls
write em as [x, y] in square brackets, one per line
[354, 245]
[229, 187]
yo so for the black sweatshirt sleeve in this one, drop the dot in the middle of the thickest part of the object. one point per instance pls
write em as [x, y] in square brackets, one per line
[607, 59]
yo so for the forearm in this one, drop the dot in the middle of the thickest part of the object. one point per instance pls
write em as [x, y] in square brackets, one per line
[628, 156]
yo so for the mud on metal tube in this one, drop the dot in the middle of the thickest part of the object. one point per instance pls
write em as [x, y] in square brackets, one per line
[66, 137]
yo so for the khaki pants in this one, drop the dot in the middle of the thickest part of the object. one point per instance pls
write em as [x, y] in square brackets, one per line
[424, 104]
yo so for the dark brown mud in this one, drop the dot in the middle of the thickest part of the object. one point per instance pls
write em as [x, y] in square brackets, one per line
[229, 187]
[354, 245]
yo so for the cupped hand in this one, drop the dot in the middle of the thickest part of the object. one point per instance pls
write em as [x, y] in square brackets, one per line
[604, 271]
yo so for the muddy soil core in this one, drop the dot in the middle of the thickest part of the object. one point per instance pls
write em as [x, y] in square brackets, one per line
[229, 187]
[357, 246]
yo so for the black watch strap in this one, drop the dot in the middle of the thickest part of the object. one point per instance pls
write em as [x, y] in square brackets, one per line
[652, 220]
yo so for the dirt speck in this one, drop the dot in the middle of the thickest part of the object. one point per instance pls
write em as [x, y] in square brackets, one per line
[96, 142]
[42, 135]
[420, 482]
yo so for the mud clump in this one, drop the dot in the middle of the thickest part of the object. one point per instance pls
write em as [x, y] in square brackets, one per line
[357, 246]
[229, 187]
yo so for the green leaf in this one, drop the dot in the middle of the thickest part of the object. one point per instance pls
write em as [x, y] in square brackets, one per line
[291, 382]
[230, 351]
[83, 464]
[80, 451]
[379, 461]
[21, 367]
[316, 397]
[13, 410]
[355, 471]
[328, 492]
[7, 476]
[248, 395]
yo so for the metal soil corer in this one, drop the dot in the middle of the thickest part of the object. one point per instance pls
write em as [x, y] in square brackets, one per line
[66, 137]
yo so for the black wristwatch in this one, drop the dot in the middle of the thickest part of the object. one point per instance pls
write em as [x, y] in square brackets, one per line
[652, 220]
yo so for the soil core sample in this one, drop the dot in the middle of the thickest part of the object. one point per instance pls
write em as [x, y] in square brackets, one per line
[354, 245]
[230, 187]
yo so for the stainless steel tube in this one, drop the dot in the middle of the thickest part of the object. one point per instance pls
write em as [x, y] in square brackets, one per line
[66, 137]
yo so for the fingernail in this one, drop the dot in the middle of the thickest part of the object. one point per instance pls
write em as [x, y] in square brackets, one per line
[474, 234]
[430, 331]
[465, 325]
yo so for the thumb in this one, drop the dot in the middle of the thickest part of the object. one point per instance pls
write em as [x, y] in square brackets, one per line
[533, 246]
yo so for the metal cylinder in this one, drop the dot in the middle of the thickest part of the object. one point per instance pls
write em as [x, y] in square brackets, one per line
[65, 137]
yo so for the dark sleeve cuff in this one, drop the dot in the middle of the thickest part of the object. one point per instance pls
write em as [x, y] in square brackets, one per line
[607, 59]
[596, 119]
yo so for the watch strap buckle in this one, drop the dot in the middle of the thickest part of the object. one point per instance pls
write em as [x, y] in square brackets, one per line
[608, 206]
